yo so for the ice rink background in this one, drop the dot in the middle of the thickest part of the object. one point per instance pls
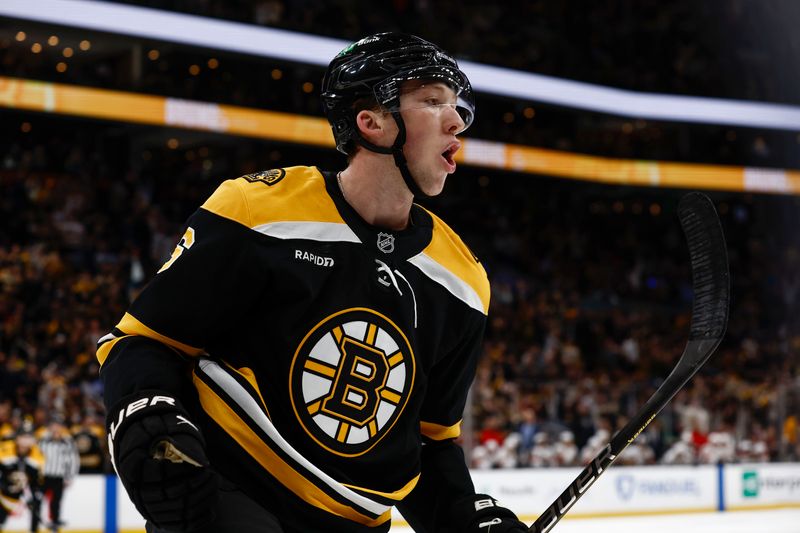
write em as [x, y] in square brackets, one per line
[776, 521]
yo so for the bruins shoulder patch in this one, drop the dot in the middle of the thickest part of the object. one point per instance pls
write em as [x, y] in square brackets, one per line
[269, 177]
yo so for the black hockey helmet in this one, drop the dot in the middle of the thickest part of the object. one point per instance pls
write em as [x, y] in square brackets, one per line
[375, 68]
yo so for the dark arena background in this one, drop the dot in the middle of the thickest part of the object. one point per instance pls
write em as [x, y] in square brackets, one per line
[118, 119]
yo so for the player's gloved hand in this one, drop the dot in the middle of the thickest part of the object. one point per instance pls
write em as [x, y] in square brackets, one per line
[159, 455]
[480, 513]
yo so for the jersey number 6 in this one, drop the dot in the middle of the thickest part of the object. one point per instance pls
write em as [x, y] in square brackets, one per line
[185, 243]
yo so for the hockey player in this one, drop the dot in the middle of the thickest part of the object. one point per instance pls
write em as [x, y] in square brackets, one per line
[301, 363]
[21, 464]
[89, 436]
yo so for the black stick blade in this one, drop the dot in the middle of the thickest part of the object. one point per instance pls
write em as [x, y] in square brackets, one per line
[709, 257]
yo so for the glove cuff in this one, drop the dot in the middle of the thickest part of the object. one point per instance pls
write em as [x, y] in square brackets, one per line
[469, 511]
[137, 406]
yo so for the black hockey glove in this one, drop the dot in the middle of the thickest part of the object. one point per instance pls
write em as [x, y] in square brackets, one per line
[159, 455]
[480, 513]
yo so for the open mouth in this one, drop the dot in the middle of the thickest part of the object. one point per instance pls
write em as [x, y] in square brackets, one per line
[450, 153]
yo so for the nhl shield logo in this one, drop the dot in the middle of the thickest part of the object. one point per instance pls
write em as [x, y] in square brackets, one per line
[386, 242]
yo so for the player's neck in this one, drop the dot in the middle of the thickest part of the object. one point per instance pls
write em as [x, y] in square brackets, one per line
[377, 192]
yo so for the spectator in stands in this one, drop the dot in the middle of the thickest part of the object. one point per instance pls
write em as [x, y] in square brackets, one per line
[543, 453]
[638, 453]
[719, 448]
[566, 450]
[682, 452]
[526, 430]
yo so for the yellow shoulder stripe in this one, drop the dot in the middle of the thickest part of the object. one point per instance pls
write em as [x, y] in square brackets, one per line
[438, 432]
[299, 196]
[36, 458]
[230, 202]
[130, 325]
[8, 450]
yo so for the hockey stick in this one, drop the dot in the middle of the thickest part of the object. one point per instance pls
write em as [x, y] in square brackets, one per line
[710, 277]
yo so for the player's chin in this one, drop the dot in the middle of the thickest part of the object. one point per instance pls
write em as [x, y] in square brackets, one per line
[435, 186]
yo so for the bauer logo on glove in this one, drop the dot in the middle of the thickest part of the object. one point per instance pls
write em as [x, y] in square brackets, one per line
[159, 455]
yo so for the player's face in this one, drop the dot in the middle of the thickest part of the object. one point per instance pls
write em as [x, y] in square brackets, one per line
[432, 123]
[24, 444]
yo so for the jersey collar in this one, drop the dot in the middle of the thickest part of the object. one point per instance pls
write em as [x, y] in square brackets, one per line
[382, 242]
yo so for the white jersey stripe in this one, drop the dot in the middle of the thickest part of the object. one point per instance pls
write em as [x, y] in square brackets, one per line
[105, 338]
[251, 407]
[455, 285]
[315, 231]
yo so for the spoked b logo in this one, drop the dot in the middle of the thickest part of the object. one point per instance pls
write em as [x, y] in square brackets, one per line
[351, 378]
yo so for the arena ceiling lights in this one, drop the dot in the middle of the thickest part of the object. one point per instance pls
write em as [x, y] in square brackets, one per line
[297, 47]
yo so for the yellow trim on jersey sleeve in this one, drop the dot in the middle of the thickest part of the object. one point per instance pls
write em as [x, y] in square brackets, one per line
[238, 430]
[9, 503]
[299, 196]
[105, 349]
[397, 495]
[132, 326]
[447, 249]
[439, 432]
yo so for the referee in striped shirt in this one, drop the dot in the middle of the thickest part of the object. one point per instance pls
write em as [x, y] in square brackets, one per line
[61, 464]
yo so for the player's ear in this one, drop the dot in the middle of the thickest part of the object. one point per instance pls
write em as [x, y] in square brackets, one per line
[375, 126]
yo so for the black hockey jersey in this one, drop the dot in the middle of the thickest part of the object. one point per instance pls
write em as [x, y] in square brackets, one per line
[18, 472]
[326, 348]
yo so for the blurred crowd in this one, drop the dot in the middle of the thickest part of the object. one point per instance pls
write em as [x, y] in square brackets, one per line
[735, 49]
[591, 302]
[591, 298]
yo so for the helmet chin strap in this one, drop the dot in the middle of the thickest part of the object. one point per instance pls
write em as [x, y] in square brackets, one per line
[396, 151]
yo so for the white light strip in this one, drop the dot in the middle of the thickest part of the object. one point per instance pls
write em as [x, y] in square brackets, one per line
[291, 46]
[177, 28]
[538, 88]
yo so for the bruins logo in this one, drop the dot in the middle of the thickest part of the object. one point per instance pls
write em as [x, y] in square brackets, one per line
[270, 177]
[351, 378]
